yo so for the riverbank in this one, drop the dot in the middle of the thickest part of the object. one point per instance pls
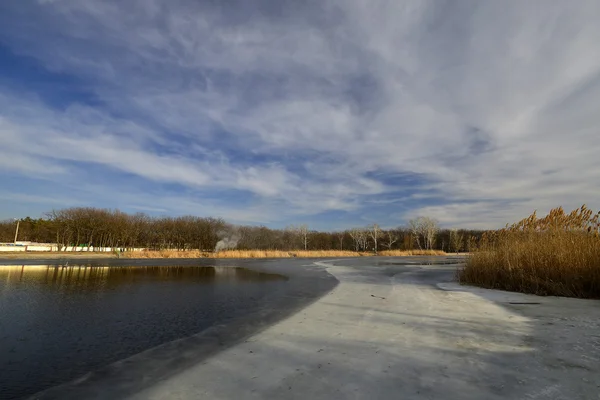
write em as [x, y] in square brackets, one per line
[46, 255]
[387, 331]
[277, 254]
[241, 254]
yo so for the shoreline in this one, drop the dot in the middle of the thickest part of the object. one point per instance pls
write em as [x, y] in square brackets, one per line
[54, 256]
[303, 286]
[232, 254]
[387, 330]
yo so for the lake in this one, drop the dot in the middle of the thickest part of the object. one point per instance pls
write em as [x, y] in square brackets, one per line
[59, 322]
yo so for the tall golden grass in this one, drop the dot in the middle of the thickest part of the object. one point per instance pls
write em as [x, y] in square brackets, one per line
[557, 255]
[242, 254]
[163, 254]
[272, 254]
[405, 253]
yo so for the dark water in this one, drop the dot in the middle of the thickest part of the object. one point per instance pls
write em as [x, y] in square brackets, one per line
[57, 323]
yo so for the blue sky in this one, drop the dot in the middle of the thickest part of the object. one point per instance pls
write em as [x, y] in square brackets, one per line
[331, 113]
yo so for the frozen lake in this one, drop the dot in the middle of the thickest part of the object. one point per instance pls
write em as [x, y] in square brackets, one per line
[60, 322]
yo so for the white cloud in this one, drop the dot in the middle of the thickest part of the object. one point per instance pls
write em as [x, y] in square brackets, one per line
[494, 104]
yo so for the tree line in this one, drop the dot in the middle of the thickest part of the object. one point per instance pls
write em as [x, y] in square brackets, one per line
[112, 228]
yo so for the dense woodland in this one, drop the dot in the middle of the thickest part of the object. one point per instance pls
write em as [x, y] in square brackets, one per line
[112, 228]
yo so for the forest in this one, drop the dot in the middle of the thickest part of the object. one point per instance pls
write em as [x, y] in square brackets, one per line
[85, 226]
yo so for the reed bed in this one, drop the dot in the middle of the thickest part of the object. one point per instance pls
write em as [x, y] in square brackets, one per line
[286, 254]
[557, 255]
[273, 253]
[242, 254]
[164, 254]
[405, 253]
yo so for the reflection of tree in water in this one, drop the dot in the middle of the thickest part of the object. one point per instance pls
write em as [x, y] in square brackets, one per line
[93, 277]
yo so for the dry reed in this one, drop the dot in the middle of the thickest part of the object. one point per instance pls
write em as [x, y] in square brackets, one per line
[405, 253]
[558, 255]
[242, 254]
[272, 253]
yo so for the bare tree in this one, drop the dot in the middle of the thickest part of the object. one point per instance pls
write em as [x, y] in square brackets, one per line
[360, 237]
[456, 240]
[97, 228]
[391, 237]
[304, 232]
[340, 236]
[364, 238]
[375, 233]
[425, 230]
[416, 229]
[290, 238]
[431, 230]
[355, 234]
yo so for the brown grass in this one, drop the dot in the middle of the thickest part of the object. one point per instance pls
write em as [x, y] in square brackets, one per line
[557, 255]
[286, 254]
[37, 255]
[163, 254]
[241, 254]
[270, 254]
[404, 253]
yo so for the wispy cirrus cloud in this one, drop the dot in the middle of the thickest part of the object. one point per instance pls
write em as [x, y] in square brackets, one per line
[285, 110]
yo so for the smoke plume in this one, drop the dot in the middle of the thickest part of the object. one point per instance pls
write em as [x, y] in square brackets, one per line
[230, 239]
